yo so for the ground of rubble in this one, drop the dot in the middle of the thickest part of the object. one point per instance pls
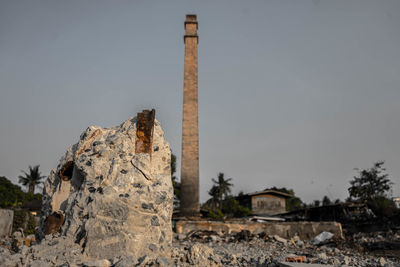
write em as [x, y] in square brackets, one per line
[212, 249]
[243, 249]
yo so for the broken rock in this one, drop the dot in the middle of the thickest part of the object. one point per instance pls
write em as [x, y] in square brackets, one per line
[112, 191]
[280, 239]
[321, 238]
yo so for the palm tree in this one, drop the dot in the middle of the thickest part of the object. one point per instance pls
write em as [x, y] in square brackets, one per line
[32, 179]
[222, 188]
[214, 200]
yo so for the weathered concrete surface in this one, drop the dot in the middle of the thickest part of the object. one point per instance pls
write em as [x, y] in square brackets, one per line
[305, 230]
[6, 222]
[109, 199]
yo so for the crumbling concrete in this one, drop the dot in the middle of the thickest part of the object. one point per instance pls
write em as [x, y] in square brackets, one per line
[112, 194]
[305, 230]
[6, 222]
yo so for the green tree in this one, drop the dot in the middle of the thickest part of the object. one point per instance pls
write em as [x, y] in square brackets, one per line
[371, 183]
[221, 188]
[11, 195]
[326, 201]
[31, 179]
[373, 186]
[222, 204]
[214, 201]
[232, 208]
[175, 183]
[316, 203]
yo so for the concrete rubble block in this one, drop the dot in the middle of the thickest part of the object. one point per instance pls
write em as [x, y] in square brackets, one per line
[112, 192]
[322, 256]
[202, 255]
[40, 263]
[181, 236]
[18, 239]
[321, 238]
[6, 222]
[126, 261]
[280, 239]
[97, 263]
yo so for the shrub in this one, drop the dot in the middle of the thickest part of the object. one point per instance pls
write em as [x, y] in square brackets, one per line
[25, 220]
[216, 214]
[382, 206]
[232, 208]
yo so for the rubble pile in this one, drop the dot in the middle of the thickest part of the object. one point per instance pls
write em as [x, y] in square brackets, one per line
[386, 244]
[108, 202]
[212, 249]
[245, 249]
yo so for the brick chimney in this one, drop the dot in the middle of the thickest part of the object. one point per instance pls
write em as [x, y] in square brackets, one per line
[190, 205]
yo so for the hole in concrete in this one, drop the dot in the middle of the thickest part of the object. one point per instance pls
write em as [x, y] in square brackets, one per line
[54, 222]
[67, 170]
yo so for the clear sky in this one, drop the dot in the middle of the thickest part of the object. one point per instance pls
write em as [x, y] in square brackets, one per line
[291, 93]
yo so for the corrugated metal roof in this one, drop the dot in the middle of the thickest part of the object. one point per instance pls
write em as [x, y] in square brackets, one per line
[272, 192]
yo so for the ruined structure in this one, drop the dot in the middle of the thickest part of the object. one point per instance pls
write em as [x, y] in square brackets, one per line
[190, 131]
[111, 194]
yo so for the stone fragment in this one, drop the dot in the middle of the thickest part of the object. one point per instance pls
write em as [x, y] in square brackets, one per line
[346, 260]
[382, 261]
[322, 256]
[280, 239]
[201, 255]
[162, 262]
[40, 263]
[322, 237]
[18, 239]
[181, 236]
[111, 193]
[97, 263]
[300, 243]
[127, 261]
[214, 238]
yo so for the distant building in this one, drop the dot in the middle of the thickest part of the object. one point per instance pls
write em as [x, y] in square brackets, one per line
[268, 202]
[396, 201]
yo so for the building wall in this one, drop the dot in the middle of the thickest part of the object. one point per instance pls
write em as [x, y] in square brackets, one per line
[6, 222]
[267, 204]
[397, 202]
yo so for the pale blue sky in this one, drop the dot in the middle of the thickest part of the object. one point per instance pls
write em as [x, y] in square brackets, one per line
[291, 93]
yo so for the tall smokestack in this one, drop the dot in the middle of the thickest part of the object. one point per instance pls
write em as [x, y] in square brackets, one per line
[190, 127]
